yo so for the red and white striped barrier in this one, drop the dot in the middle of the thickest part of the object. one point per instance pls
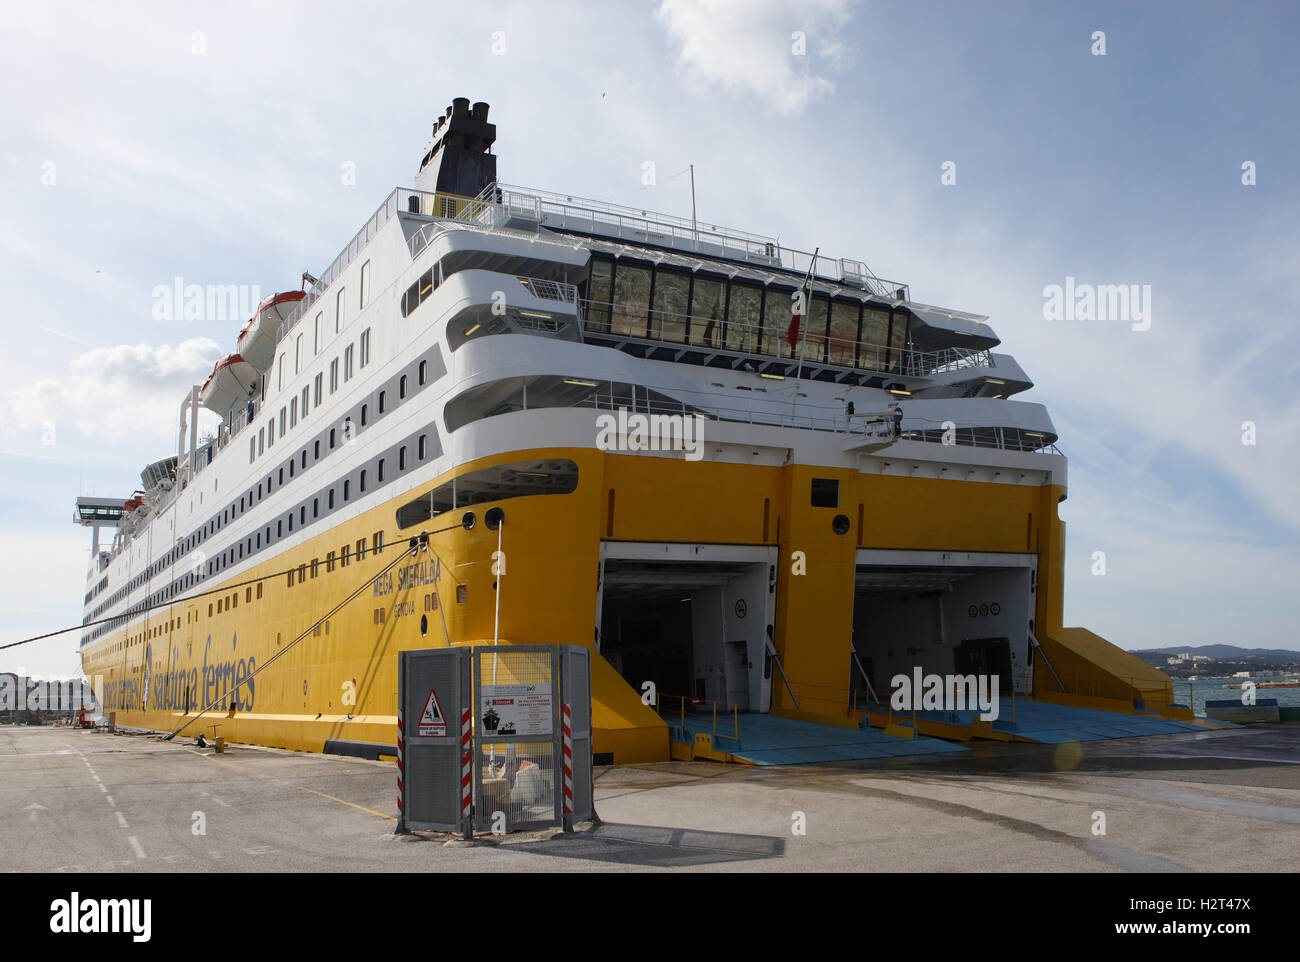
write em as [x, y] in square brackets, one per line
[401, 738]
[466, 781]
[568, 763]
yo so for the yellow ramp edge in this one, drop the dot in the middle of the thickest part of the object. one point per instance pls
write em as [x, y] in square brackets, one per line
[1099, 674]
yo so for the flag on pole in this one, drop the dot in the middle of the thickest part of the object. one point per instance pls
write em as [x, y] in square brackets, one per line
[796, 317]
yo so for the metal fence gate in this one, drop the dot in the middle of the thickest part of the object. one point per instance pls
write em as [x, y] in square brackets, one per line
[494, 738]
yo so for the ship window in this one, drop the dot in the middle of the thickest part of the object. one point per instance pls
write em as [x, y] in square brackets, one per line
[516, 480]
[304, 458]
[401, 458]
[778, 308]
[825, 493]
[252, 450]
[302, 514]
[382, 395]
[297, 354]
[346, 489]
[315, 567]
[346, 555]
[320, 333]
[340, 309]
[282, 421]
[293, 412]
[897, 338]
[874, 336]
[365, 284]
[401, 388]
[302, 573]
[270, 433]
[671, 304]
[365, 347]
[418, 292]
[209, 609]
[361, 487]
[306, 394]
[279, 528]
[424, 369]
[329, 502]
[280, 373]
[347, 362]
[361, 549]
[599, 296]
[843, 332]
[291, 467]
[334, 375]
[743, 312]
[708, 302]
[380, 472]
[815, 331]
[315, 507]
[259, 589]
[631, 299]
[462, 594]
[363, 415]
[315, 451]
[424, 443]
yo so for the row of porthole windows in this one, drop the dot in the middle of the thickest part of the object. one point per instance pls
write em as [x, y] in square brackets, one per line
[344, 558]
[247, 501]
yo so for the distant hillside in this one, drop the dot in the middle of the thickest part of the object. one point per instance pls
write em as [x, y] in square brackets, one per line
[1226, 651]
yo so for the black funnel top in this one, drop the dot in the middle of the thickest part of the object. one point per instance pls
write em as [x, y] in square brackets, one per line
[460, 160]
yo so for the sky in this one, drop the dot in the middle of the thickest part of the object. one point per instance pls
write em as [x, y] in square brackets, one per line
[979, 151]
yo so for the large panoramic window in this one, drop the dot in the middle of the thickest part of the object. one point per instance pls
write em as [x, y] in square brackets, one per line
[708, 304]
[843, 332]
[515, 480]
[778, 308]
[600, 293]
[813, 349]
[897, 339]
[875, 337]
[631, 299]
[672, 302]
[744, 311]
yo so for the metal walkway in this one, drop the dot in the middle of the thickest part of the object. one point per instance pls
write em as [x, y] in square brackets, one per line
[773, 740]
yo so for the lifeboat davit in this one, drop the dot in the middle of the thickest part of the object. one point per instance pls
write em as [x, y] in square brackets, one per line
[256, 342]
[232, 382]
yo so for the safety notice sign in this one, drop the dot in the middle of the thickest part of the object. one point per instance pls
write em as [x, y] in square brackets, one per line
[432, 722]
[517, 710]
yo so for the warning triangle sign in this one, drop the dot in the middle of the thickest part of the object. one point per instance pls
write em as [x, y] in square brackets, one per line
[432, 721]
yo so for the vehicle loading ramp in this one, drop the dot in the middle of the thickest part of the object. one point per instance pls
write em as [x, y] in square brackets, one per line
[1026, 720]
[769, 739]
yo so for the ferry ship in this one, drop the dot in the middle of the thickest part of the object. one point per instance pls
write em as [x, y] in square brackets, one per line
[452, 437]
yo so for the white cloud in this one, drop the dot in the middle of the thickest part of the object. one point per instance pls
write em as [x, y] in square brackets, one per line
[749, 46]
[127, 391]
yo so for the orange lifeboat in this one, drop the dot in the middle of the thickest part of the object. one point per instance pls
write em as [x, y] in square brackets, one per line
[256, 342]
[232, 382]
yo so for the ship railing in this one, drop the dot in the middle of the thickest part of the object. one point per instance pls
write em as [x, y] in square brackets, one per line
[693, 331]
[1000, 439]
[498, 204]
[403, 200]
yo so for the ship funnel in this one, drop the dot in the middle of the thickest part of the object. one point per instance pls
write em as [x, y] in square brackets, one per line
[459, 160]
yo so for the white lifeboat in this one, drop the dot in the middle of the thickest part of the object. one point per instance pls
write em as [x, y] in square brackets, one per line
[256, 342]
[232, 382]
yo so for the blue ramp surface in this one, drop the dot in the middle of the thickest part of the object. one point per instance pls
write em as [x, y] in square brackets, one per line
[773, 740]
[1052, 724]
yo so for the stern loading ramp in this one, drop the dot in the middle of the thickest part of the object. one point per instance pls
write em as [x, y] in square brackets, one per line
[692, 619]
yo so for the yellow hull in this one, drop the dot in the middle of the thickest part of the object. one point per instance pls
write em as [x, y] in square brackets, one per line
[340, 681]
